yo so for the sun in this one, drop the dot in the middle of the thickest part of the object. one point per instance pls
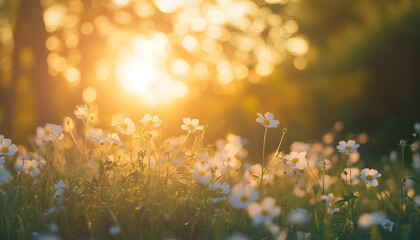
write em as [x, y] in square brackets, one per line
[141, 69]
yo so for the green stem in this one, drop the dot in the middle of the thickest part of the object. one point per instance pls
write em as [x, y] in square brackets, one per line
[402, 176]
[351, 180]
[278, 147]
[263, 157]
[313, 174]
[180, 147]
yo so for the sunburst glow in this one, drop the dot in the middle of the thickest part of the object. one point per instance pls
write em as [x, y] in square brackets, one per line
[144, 73]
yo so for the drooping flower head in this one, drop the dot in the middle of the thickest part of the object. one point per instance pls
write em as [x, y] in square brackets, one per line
[370, 176]
[126, 127]
[347, 147]
[297, 160]
[191, 125]
[267, 120]
[150, 121]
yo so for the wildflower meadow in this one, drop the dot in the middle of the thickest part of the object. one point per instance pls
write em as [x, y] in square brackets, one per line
[209, 120]
[130, 181]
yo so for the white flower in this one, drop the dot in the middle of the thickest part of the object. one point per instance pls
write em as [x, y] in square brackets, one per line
[387, 224]
[113, 137]
[202, 172]
[98, 135]
[367, 220]
[233, 159]
[115, 230]
[216, 200]
[191, 125]
[19, 164]
[297, 160]
[60, 187]
[126, 127]
[4, 175]
[150, 121]
[267, 120]
[264, 211]
[243, 195]
[298, 216]
[81, 111]
[50, 211]
[31, 167]
[218, 166]
[253, 173]
[328, 201]
[7, 148]
[348, 147]
[49, 131]
[237, 236]
[370, 176]
[221, 188]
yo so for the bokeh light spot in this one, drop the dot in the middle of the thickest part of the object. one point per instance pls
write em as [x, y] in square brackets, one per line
[89, 95]
[72, 75]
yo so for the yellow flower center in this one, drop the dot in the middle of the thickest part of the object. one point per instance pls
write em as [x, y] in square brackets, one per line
[237, 156]
[244, 198]
[348, 148]
[251, 172]
[216, 167]
[219, 189]
[5, 149]
[264, 212]
[369, 177]
[150, 122]
[124, 126]
[31, 168]
[202, 173]
[266, 122]
[229, 158]
[190, 125]
[295, 160]
[47, 131]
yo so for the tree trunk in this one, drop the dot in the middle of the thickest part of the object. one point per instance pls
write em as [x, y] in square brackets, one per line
[30, 61]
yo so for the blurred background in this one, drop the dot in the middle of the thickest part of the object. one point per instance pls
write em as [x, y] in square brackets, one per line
[311, 63]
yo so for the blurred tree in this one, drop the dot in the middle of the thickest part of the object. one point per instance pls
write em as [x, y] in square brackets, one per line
[29, 69]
